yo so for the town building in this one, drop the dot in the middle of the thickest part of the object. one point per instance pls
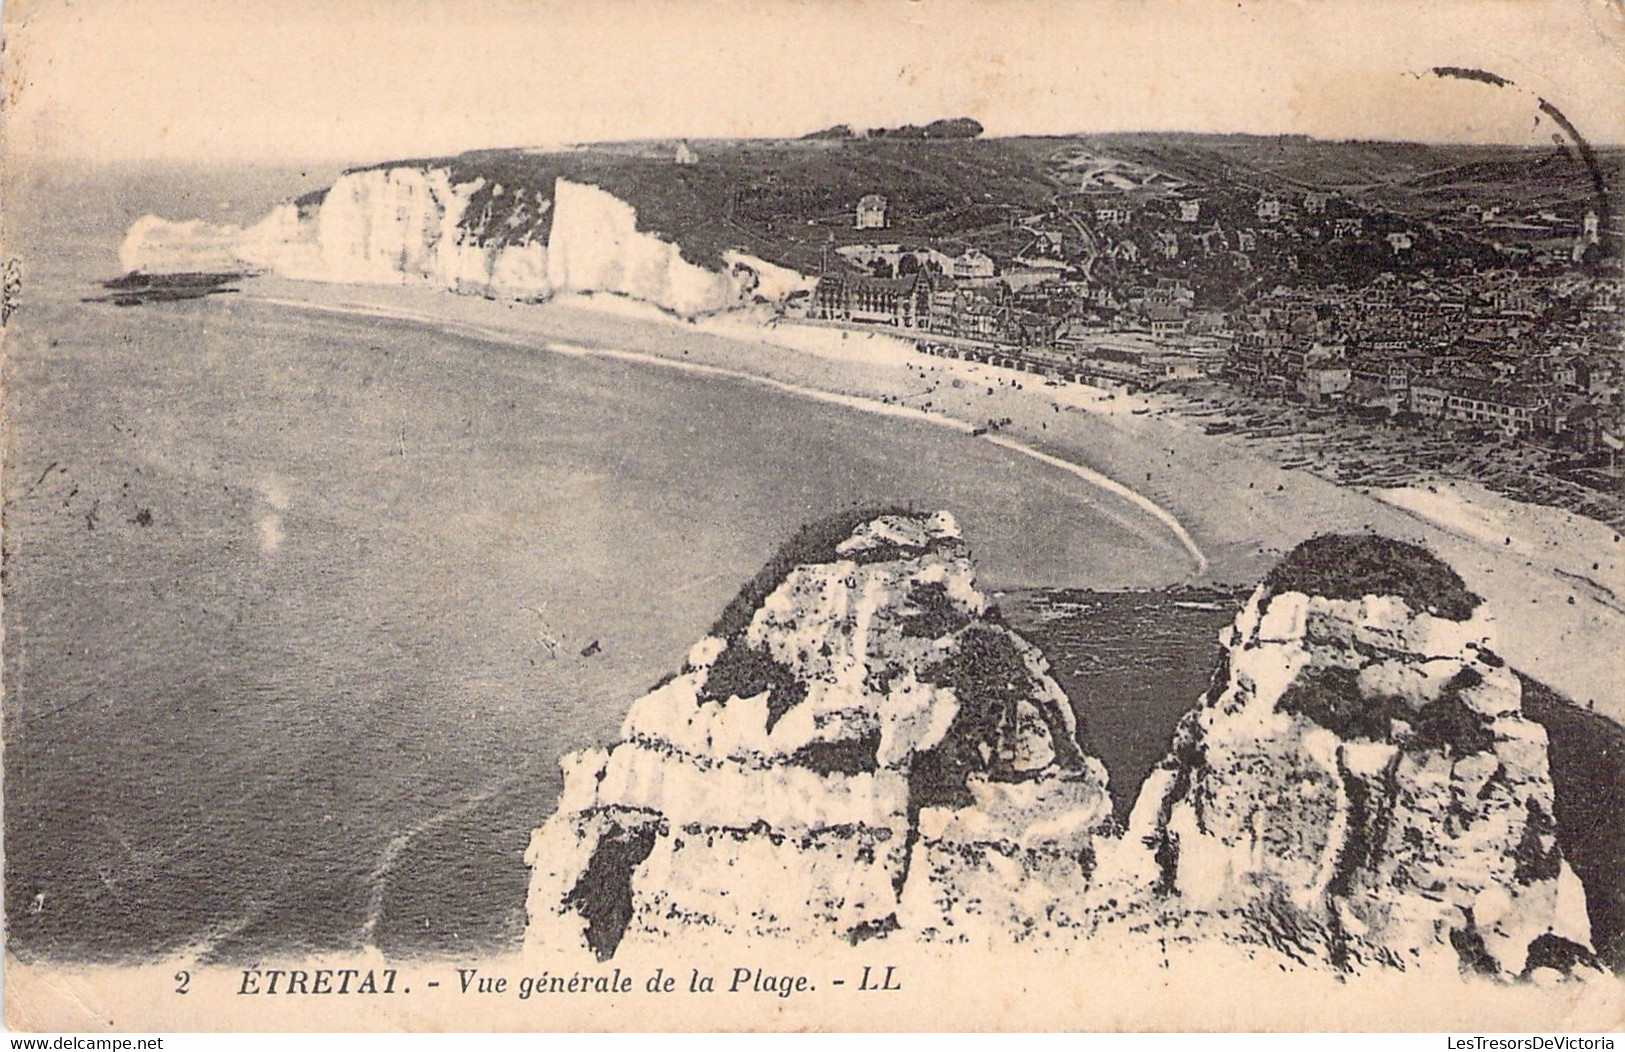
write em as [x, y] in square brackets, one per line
[1025, 274]
[1044, 243]
[1429, 398]
[1387, 378]
[1165, 320]
[904, 302]
[1589, 235]
[974, 263]
[1511, 408]
[902, 259]
[1324, 381]
[979, 319]
[1213, 239]
[1168, 291]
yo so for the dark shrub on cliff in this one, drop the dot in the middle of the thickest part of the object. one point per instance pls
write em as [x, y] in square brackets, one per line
[813, 543]
[1350, 566]
[947, 128]
[836, 131]
[742, 671]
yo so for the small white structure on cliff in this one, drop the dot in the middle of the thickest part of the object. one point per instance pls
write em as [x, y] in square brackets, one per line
[1590, 234]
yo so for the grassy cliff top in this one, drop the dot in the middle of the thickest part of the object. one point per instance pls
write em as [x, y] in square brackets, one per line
[782, 200]
[790, 200]
[1351, 566]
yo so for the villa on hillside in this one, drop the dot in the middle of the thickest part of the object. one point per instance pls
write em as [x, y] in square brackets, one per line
[871, 212]
[1324, 381]
[1165, 320]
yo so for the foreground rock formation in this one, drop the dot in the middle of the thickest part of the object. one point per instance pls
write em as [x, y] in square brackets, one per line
[862, 748]
[1360, 786]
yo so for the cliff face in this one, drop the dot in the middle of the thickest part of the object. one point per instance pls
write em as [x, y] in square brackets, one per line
[860, 747]
[419, 225]
[1360, 787]
[596, 246]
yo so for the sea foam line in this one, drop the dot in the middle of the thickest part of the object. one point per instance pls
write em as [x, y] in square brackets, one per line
[869, 405]
[857, 402]
[378, 879]
[1111, 485]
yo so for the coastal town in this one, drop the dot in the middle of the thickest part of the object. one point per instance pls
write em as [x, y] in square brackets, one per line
[1493, 329]
[1381, 314]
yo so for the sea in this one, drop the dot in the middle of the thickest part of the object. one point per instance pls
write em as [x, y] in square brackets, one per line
[302, 610]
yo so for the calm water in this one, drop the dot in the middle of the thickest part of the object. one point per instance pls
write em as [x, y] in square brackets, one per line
[296, 605]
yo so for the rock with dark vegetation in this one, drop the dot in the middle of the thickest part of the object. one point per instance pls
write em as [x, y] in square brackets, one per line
[1587, 754]
[863, 748]
[1350, 566]
[1363, 774]
[860, 724]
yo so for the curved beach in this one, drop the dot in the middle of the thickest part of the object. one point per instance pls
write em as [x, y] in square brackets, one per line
[1555, 582]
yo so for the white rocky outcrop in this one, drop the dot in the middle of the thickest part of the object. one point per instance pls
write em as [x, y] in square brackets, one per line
[422, 225]
[382, 226]
[1359, 788]
[866, 749]
[165, 246]
[862, 748]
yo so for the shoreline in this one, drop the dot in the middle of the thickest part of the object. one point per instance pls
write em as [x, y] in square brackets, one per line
[861, 404]
[1554, 584]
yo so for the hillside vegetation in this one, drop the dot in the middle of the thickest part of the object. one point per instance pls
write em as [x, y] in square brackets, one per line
[790, 201]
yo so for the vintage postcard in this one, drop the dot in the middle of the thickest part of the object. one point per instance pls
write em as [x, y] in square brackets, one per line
[822, 515]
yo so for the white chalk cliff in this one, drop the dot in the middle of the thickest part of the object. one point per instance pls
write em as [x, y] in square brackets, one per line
[864, 749]
[419, 225]
[871, 750]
